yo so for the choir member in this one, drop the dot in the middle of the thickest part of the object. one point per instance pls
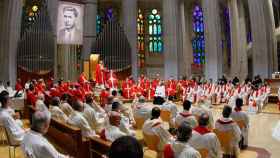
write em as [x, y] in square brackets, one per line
[65, 106]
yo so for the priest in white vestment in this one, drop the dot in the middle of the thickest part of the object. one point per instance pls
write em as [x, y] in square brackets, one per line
[181, 148]
[65, 106]
[154, 126]
[239, 115]
[185, 115]
[77, 119]
[94, 115]
[113, 131]
[15, 131]
[141, 109]
[56, 112]
[203, 138]
[34, 144]
[227, 124]
[169, 105]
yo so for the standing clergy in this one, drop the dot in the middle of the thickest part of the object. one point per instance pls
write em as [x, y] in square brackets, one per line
[243, 119]
[203, 138]
[34, 145]
[181, 148]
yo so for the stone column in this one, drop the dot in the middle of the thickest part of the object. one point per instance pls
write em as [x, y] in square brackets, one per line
[185, 55]
[90, 12]
[10, 35]
[129, 14]
[170, 35]
[238, 39]
[260, 48]
[213, 49]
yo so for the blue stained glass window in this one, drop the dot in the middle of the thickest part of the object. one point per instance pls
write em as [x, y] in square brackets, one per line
[155, 32]
[198, 40]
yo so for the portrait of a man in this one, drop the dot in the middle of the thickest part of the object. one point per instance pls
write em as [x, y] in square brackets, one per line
[70, 20]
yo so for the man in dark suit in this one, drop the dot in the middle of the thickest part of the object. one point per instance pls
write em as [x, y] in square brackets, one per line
[70, 34]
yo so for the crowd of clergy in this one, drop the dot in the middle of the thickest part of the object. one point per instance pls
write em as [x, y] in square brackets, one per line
[100, 110]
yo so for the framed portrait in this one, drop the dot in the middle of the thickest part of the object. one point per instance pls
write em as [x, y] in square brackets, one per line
[70, 23]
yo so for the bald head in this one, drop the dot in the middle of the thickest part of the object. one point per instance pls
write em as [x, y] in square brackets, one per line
[203, 119]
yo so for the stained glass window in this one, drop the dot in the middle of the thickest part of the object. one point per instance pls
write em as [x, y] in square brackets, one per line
[198, 42]
[155, 32]
[98, 24]
[140, 40]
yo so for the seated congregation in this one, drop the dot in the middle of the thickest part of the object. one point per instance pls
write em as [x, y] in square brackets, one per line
[82, 125]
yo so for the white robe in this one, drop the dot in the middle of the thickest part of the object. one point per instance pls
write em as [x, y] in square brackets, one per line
[112, 133]
[58, 114]
[66, 108]
[233, 127]
[34, 145]
[160, 91]
[142, 110]
[180, 118]
[77, 119]
[207, 141]
[95, 119]
[15, 132]
[204, 108]
[155, 127]
[242, 116]
[184, 150]
[170, 106]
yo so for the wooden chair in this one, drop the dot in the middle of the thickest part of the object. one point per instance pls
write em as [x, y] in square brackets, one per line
[99, 147]
[151, 141]
[203, 152]
[73, 143]
[2, 135]
[11, 144]
[225, 138]
[165, 115]
[139, 122]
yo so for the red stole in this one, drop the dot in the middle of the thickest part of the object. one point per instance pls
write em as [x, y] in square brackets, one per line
[237, 109]
[168, 151]
[202, 130]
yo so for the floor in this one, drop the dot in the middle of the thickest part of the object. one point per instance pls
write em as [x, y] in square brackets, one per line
[261, 142]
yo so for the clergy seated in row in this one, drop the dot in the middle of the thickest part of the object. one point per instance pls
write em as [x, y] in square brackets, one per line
[65, 106]
[227, 124]
[169, 105]
[180, 148]
[34, 144]
[154, 126]
[56, 112]
[203, 106]
[185, 115]
[113, 131]
[142, 109]
[126, 125]
[242, 119]
[14, 130]
[40, 105]
[203, 138]
[77, 119]
[126, 147]
[94, 114]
